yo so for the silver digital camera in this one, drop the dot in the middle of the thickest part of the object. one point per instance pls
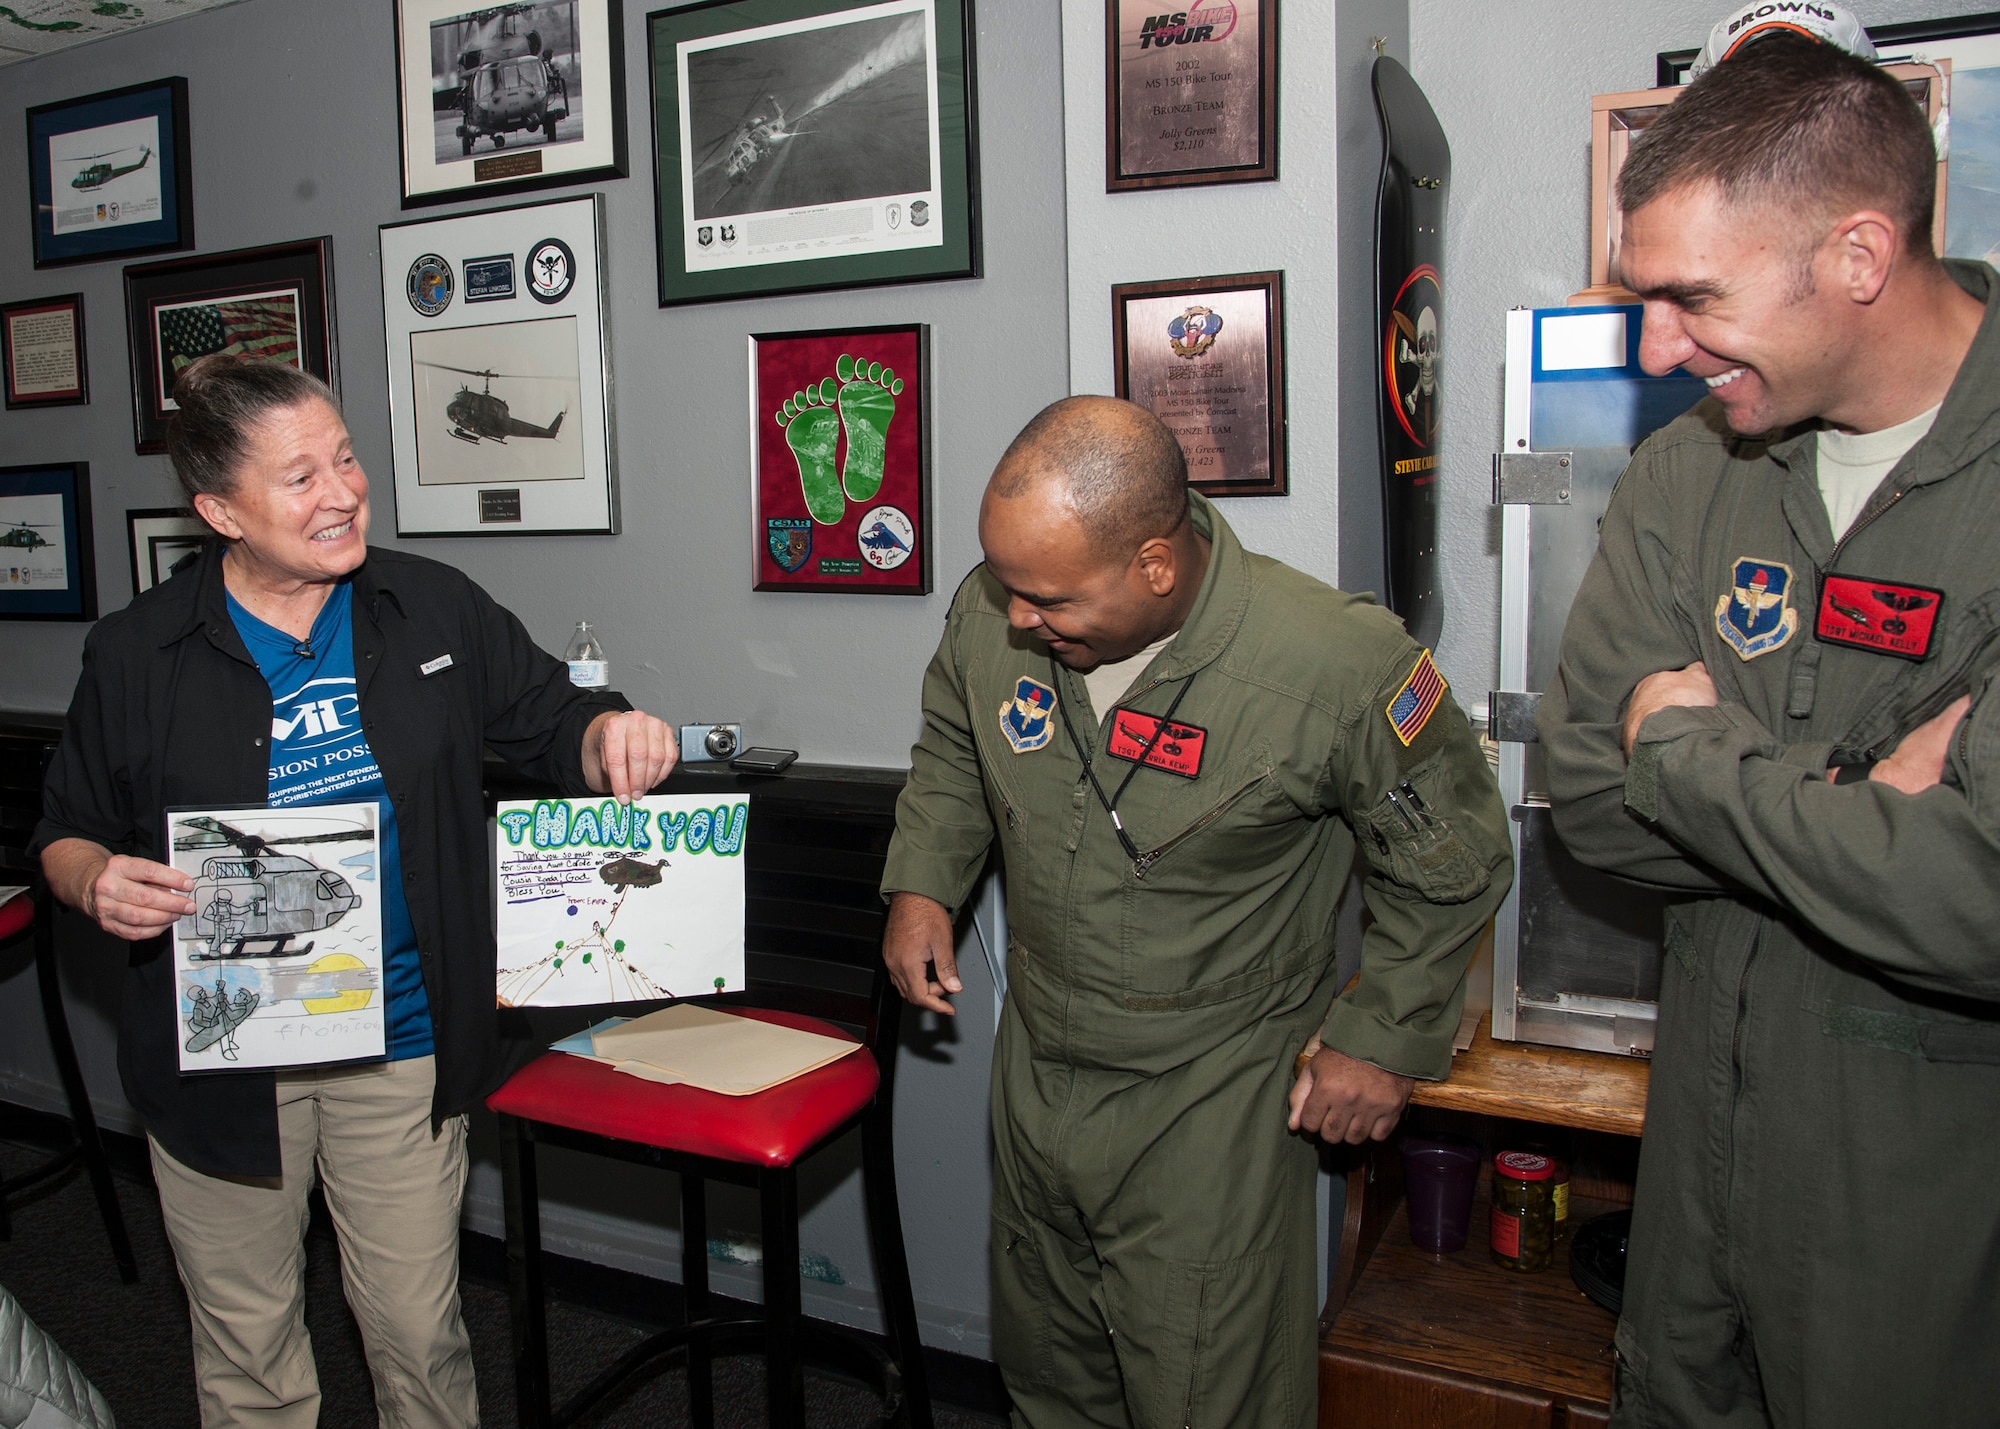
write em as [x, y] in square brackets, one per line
[710, 743]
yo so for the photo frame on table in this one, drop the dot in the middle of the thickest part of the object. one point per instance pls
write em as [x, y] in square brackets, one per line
[159, 539]
[274, 302]
[48, 567]
[840, 460]
[503, 100]
[1207, 357]
[803, 145]
[42, 358]
[1190, 96]
[109, 174]
[499, 372]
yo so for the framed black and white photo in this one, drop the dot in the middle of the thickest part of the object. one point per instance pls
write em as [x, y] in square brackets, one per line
[160, 538]
[509, 98]
[274, 302]
[48, 569]
[498, 392]
[109, 174]
[41, 352]
[812, 144]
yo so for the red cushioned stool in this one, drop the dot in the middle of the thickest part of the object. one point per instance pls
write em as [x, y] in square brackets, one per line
[813, 937]
[33, 914]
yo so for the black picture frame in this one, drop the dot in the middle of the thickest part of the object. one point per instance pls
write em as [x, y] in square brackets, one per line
[243, 290]
[30, 319]
[1670, 67]
[1185, 415]
[808, 208]
[58, 490]
[92, 232]
[500, 156]
[159, 538]
[1173, 95]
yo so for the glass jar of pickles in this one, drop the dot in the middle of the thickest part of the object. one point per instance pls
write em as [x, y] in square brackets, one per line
[1524, 1217]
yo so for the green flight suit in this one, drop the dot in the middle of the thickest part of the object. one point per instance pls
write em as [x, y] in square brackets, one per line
[1816, 1239]
[1153, 1240]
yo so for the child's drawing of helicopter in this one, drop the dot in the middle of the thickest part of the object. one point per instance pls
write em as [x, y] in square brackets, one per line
[252, 901]
[476, 415]
[98, 175]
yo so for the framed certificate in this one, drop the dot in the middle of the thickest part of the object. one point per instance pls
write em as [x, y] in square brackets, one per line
[1207, 357]
[41, 348]
[1190, 96]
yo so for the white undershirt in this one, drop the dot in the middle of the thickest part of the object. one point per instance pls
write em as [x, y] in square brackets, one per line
[1852, 465]
[1109, 681]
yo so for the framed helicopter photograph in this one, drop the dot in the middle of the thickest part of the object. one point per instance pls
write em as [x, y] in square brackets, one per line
[499, 405]
[109, 174]
[803, 145]
[48, 568]
[274, 302]
[158, 539]
[501, 99]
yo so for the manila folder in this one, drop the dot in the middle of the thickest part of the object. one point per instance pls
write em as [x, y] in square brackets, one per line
[718, 1051]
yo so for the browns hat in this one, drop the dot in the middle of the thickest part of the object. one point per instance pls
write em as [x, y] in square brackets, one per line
[1835, 25]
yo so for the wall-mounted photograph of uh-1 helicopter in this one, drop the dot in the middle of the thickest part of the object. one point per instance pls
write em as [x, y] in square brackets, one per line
[263, 903]
[506, 74]
[493, 402]
[101, 169]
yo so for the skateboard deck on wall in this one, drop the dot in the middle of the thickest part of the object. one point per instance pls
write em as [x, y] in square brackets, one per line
[1409, 311]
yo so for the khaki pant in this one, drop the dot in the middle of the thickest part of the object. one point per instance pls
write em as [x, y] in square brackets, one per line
[394, 1190]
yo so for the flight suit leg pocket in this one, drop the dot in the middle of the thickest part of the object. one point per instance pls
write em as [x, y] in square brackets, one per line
[1022, 1314]
[1230, 1352]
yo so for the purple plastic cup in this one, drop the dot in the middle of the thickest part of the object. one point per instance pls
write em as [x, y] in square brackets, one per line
[1439, 1175]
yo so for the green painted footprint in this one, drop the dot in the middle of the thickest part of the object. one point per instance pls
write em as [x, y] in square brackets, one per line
[868, 395]
[812, 431]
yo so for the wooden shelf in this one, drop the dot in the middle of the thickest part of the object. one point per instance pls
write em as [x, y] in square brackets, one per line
[1533, 1341]
[1557, 1086]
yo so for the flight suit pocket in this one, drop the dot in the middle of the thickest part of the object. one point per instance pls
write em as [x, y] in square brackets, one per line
[1021, 1320]
[1417, 848]
[1856, 1007]
[1227, 1354]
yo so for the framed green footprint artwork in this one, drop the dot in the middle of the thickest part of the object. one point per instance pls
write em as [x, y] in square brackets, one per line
[840, 448]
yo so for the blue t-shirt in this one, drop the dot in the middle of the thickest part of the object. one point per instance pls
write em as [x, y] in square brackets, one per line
[319, 755]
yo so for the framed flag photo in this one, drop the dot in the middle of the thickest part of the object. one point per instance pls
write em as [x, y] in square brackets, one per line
[41, 352]
[274, 302]
[109, 174]
[840, 456]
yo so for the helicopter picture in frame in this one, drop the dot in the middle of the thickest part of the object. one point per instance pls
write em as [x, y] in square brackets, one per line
[281, 963]
[498, 391]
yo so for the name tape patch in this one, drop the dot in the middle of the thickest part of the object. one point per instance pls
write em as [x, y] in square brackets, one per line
[1884, 616]
[1413, 704]
[1177, 750]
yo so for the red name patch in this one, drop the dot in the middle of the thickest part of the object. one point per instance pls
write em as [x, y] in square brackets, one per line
[1882, 616]
[1177, 750]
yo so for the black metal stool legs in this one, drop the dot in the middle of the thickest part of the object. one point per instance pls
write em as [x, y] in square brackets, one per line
[524, 1275]
[694, 1293]
[778, 1192]
[892, 1267]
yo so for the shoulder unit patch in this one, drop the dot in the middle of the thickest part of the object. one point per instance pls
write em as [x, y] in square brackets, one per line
[1753, 615]
[1414, 704]
[1024, 719]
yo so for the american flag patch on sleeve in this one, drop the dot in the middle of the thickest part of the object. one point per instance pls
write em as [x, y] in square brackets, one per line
[1411, 708]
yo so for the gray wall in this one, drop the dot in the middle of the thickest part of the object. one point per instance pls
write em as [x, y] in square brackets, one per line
[1512, 84]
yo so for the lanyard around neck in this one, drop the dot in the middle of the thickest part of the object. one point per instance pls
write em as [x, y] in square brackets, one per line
[1111, 804]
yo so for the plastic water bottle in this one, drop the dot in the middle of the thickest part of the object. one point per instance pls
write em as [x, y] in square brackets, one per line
[588, 668]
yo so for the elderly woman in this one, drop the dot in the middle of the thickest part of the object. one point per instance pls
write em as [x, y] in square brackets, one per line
[194, 696]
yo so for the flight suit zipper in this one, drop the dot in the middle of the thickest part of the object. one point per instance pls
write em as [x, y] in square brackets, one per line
[1143, 864]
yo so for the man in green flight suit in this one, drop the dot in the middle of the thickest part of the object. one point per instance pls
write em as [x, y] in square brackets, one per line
[1179, 746]
[1763, 703]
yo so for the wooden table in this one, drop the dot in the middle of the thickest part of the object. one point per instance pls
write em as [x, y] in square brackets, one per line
[1411, 1338]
